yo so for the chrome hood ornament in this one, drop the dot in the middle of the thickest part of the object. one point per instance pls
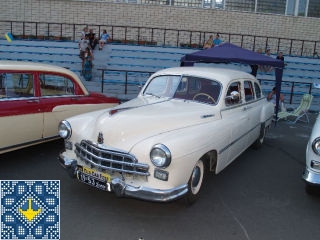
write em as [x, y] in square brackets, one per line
[100, 138]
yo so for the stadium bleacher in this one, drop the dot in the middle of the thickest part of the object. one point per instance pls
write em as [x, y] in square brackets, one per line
[116, 59]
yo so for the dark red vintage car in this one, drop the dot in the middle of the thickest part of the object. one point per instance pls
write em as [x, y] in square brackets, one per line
[34, 98]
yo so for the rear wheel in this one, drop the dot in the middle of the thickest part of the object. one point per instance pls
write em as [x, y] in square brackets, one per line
[258, 143]
[195, 182]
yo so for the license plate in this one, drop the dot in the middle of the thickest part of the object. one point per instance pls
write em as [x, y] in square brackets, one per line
[94, 178]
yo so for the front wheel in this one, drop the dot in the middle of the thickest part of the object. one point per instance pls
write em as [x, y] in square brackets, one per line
[312, 189]
[195, 182]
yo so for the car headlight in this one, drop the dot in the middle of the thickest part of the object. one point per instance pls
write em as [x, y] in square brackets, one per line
[65, 130]
[160, 156]
[316, 146]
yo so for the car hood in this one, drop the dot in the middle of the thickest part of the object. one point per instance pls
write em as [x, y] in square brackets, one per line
[315, 130]
[132, 122]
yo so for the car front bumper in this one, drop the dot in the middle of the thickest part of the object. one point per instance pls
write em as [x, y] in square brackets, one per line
[122, 189]
[311, 177]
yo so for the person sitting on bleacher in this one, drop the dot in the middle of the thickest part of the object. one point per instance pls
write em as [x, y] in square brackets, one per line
[208, 43]
[103, 39]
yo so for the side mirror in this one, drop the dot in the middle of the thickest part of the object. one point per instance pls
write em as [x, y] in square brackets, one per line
[233, 98]
[235, 95]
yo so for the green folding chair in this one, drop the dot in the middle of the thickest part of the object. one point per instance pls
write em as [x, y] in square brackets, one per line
[300, 113]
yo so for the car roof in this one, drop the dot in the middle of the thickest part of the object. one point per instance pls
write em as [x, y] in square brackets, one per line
[20, 65]
[34, 66]
[222, 74]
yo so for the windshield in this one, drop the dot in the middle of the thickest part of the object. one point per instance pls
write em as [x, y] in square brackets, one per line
[184, 87]
[163, 86]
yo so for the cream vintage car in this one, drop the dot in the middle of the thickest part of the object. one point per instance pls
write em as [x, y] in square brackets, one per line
[186, 121]
[35, 97]
[311, 173]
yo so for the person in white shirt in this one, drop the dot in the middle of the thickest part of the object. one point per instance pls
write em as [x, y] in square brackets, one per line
[83, 45]
[84, 33]
[272, 98]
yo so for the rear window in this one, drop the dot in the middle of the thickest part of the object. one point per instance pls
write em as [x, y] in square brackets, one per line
[257, 90]
[248, 91]
[52, 85]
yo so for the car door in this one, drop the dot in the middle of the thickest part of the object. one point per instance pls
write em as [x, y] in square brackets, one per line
[20, 116]
[235, 119]
[60, 98]
[253, 94]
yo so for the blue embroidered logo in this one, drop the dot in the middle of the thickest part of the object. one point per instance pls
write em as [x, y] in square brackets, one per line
[30, 209]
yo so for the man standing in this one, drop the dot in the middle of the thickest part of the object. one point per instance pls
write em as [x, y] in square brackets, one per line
[92, 39]
[83, 45]
[280, 56]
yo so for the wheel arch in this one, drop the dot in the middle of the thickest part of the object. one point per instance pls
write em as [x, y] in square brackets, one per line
[210, 159]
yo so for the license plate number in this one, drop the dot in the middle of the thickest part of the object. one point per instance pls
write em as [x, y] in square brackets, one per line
[94, 178]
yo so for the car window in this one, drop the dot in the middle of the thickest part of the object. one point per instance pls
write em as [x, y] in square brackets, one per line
[248, 91]
[194, 85]
[16, 85]
[198, 89]
[183, 86]
[53, 85]
[233, 94]
[257, 90]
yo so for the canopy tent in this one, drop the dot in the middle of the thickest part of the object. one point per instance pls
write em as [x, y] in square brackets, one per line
[228, 52]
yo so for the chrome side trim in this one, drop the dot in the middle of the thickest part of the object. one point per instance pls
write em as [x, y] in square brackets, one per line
[207, 116]
[241, 104]
[236, 140]
[25, 144]
[311, 177]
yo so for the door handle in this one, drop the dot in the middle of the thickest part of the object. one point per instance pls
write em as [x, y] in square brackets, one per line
[246, 108]
[33, 101]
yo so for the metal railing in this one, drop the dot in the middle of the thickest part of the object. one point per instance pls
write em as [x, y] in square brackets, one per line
[126, 78]
[291, 90]
[158, 37]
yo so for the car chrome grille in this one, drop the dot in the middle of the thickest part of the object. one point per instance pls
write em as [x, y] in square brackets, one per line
[109, 160]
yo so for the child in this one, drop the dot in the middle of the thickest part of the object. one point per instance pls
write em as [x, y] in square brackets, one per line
[87, 66]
